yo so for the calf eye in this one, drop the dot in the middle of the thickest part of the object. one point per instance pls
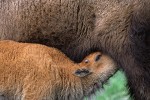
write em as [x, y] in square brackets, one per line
[86, 61]
[97, 57]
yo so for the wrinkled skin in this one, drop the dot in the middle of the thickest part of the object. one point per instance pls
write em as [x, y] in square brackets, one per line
[119, 28]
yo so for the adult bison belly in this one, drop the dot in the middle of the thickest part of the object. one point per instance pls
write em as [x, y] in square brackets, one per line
[59, 23]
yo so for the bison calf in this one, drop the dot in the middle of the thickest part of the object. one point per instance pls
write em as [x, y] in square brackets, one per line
[37, 72]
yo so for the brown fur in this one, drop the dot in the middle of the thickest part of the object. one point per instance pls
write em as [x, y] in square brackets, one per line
[37, 72]
[120, 28]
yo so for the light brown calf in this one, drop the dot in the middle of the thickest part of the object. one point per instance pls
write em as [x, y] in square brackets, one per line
[37, 72]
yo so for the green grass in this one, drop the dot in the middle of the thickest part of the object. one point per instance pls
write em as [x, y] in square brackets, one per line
[115, 89]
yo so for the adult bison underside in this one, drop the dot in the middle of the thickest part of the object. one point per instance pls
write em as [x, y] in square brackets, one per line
[120, 28]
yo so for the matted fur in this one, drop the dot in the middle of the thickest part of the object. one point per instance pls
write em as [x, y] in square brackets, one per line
[37, 72]
[120, 28]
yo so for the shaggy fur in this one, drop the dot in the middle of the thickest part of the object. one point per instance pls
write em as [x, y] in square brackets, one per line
[37, 72]
[120, 28]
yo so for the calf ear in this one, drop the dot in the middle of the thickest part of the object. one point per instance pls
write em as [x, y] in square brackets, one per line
[82, 72]
[98, 57]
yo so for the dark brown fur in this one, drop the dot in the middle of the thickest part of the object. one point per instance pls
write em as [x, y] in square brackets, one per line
[120, 28]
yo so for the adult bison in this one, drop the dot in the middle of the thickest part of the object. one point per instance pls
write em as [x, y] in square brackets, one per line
[119, 28]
